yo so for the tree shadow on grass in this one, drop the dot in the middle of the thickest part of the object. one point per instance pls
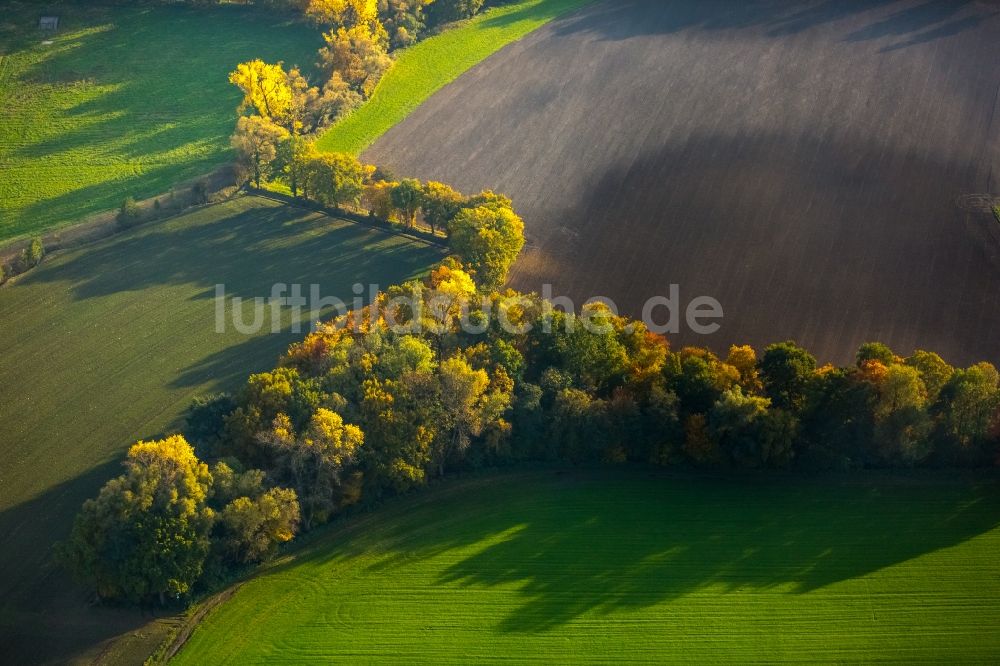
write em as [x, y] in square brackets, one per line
[44, 616]
[245, 247]
[585, 542]
[761, 538]
[166, 104]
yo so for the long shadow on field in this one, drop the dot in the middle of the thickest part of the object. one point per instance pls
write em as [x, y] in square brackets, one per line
[44, 616]
[230, 366]
[243, 252]
[571, 552]
[824, 238]
[863, 19]
[165, 116]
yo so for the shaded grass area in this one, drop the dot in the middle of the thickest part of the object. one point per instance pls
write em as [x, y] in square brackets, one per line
[625, 565]
[124, 101]
[108, 343]
[424, 68]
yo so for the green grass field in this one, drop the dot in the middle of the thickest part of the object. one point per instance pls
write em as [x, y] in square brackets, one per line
[621, 565]
[124, 101]
[108, 343]
[421, 70]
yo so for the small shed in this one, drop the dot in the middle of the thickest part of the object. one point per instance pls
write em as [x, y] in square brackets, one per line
[48, 23]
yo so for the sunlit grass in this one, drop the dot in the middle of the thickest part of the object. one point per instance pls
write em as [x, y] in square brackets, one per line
[125, 101]
[619, 566]
[421, 70]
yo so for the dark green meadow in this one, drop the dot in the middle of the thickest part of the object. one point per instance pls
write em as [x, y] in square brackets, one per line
[109, 343]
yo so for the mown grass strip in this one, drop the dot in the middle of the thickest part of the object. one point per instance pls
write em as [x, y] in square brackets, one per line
[626, 565]
[425, 68]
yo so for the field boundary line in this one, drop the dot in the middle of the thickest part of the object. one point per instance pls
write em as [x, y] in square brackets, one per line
[361, 220]
[176, 640]
[381, 104]
[104, 224]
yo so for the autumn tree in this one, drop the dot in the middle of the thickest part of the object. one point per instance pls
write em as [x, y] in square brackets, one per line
[292, 160]
[378, 199]
[744, 359]
[440, 204]
[314, 107]
[785, 371]
[146, 535]
[934, 372]
[358, 55]
[266, 91]
[589, 348]
[335, 178]
[452, 291]
[256, 141]
[252, 520]
[399, 433]
[966, 412]
[577, 425]
[407, 197]
[446, 11]
[404, 20]
[345, 13]
[265, 396]
[902, 423]
[699, 378]
[462, 389]
[316, 463]
[875, 351]
[749, 432]
[205, 421]
[489, 237]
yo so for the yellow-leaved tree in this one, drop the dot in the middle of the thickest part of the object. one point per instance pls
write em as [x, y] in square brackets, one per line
[358, 54]
[347, 13]
[266, 91]
[146, 535]
[318, 463]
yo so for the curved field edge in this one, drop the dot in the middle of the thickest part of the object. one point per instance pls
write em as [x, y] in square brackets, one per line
[627, 564]
[421, 70]
[108, 343]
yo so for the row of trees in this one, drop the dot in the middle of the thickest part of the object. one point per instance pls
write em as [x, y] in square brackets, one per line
[382, 400]
[169, 522]
[280, 104]
[483, 229]
[395, 23]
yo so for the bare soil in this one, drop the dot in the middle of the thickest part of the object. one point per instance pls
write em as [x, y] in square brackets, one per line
[810, 165]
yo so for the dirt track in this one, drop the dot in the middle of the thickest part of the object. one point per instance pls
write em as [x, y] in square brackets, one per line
[808, 165]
